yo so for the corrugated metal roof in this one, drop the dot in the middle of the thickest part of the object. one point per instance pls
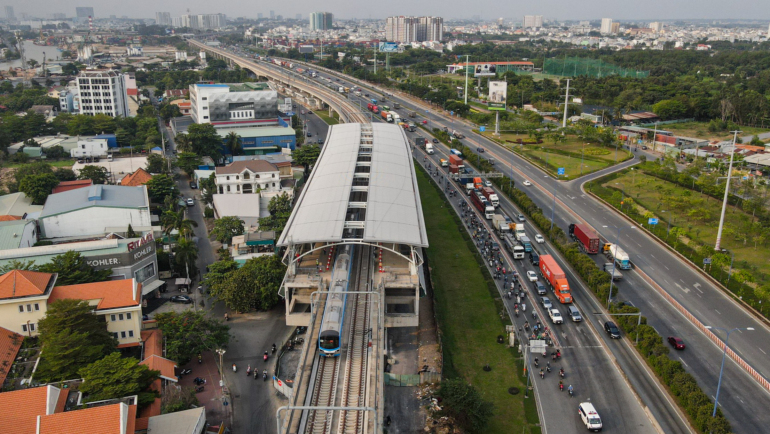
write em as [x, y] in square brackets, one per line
[393, 210]
[115, 196]
[10, 233]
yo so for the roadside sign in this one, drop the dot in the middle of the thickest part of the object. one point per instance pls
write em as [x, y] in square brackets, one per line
[451, 113]
[482, 128]
[560, 171]
[706, 261]
[652, 221]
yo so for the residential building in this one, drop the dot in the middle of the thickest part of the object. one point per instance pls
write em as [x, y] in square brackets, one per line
[246, 177]
[9, 15]
[84, 13]
[163, 18]
[95, 211]
[139, 177]
[45, 410]
[232, 104]
[204, 21]
[606, 27]
[321, 20]
[48, 111]
[185, 106]
[91, 147]
[16, 234]
[233, 205]
[533, 21]
[272, 15]
[414, 29]
[615, 28]
[180, 56]
[656, 26]
[18, 204]
[103, 91]
[176, 22]
[72, 185]
[130, 258]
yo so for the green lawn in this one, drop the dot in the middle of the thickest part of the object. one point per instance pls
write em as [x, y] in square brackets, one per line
[567, 154]
[53, 163]
[329, 121]
[700, 130]
[469, 317]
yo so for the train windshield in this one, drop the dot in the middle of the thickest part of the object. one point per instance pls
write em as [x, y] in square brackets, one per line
[330, 342]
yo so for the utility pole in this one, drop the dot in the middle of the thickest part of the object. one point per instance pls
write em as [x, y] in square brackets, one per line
[375, 60]
[466, 79]
[727, 193]
[566, 104]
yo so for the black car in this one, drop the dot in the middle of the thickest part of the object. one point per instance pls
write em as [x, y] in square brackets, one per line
[193, 185]
[612, 330]
[184, 299]
[435, 140]
[366, 95]
[480, 150]
[309, 134]
[539, 287]
[534, 258]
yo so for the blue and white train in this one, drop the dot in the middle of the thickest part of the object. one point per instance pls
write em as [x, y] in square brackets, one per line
[334, 312]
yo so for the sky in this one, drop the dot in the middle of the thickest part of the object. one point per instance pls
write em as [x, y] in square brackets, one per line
[511, 10]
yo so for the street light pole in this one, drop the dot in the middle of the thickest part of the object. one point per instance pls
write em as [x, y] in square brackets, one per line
[724, 353]
[582, 150]
[466, 79]
[727, 192]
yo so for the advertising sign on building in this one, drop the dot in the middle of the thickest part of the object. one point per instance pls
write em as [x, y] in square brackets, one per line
[306, 49]
[388, 47]
[498, 94]
[485, 70]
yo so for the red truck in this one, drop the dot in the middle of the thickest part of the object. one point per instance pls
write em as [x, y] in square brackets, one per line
[454, 170]
[370, 106]
[589, 240]
[455, 159]
[491, 196]
[555, 277]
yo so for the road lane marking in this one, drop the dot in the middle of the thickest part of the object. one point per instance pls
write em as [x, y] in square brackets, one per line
[696, 285]
[719, 313]
[666, 267]
[685, 363]
[763, 351]
[685, 289]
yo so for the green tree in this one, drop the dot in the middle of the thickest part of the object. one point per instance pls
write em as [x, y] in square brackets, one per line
[18, 265]
[160, 187]
[253, 286]
[72, 337]
[218, 272]
[176, 220]
[189, 162]
[73, 269]
[183, 143]
[38, 187]
[465, 405]
[185, 255]
[156, 164]
[670, 109]
[226, 228]
[55, 152]
[97, 174]
[64, 174]
[233, 144]
[178, 399]
[280, 210]
[205, 141]
[169, 111]
[116, 377]
[191, 332]
[306, 156]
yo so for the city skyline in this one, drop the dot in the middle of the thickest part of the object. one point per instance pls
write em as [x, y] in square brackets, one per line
[346, 9]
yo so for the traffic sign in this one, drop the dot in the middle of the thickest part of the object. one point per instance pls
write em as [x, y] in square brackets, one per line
[482, 128]
[706, 261]
[560, 171]
[652, 221]
[451, 113]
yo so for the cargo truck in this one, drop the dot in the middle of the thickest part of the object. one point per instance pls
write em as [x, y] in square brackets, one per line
[524, 240]
[412, 127]
[396, 105]
[454, 159]
[457, 135]
[369, 106]
[396, 117]
[614, 252]
[477, 182]
[519, 230]
[491, 196]
[386, 115]
[469, 188]
[498, 222]
[609, 267]
[481, 204]
[555, 277]
[444, 163]
[429, 148]
[464, 179]
[587, 238]
[453, 171]
[420, 142]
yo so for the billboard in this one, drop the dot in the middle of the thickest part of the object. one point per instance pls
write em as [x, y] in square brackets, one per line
[485, 70]
[498, 93]
[306, 49]
[388, 47]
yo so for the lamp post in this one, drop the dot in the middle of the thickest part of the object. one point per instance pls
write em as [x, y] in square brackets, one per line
[724, 353]
[727, 192]
[221, 353]
[622, 194]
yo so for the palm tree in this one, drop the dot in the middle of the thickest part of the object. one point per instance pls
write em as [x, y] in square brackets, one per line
[175, 220]
[183, 142]
[233, 144]
[186, 253]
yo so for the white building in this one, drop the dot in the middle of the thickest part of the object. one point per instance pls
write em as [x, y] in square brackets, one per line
[180, 55]
[90, 148]
[246, 177]
[95, 211]
[606, 27]
[134, 51]
[321, 21]
[102, 91]
[204, 21]
[414, 29]
[215, 103]
[163, 18]
[656, 26]
[533, 21]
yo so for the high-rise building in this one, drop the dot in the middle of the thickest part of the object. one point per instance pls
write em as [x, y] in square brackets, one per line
[414, 29]
[272, 15]
[656, 26]
[176, 21]
[298, 17]
[533, 21]
[321, 20]
[204, 21]
[163, 18]
[82, 13]
[615, 28]
[606, 27]
[9, 16]
[103, 91]
[500, 22]
[768, 31]
[260, 16]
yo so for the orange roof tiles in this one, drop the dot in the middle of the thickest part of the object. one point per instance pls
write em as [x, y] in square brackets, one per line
[111, 294]
[72, 185]
[23, 283]
[107, 419]
[10, 343]
[9, 218]
[165, 366]
[153, 342]
[139, 177]
[22, 419]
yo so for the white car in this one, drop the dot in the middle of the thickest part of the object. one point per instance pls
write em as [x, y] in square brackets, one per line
[527, 183]
[532, 276]
[556, 317]
[539, 238]
[190, 201]
[487, 183]
[546, 302]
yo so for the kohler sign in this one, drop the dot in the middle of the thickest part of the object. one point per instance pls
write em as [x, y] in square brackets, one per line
[139, 253]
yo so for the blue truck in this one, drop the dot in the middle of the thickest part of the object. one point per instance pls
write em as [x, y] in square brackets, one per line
[524, 240]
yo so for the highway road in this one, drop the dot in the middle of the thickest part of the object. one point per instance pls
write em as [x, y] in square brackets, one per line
[741, 397]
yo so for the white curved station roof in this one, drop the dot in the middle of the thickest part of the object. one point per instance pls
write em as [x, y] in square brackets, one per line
[391, 201]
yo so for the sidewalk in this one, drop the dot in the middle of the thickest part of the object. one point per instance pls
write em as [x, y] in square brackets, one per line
[211, 397]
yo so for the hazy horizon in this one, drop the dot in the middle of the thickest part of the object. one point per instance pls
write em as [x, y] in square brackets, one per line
[448, 9]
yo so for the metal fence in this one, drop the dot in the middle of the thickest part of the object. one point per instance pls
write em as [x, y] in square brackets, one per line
[577, 66]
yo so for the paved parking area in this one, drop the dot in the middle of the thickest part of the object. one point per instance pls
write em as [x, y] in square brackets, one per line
[119, 167]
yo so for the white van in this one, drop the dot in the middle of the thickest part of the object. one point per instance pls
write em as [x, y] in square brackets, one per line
[429, 148]
[589, 416]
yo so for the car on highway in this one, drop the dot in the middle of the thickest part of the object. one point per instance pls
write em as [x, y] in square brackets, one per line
[184, 299]
[424, 121]
[555, 316]
[521, 218]
[480, 150]
[612, 330]
[574, 314]
[310, 112]
[546, 302]
[527, 183]
[540, 288]
[539, 238]
[190, 201]
[532, 276]
[435, 140]
[309, 134]
[589, 416]
[487, 183]
[676, 342]
[644, 148]
[366, 95]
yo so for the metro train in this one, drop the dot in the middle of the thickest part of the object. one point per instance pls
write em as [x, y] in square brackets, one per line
[334, 312]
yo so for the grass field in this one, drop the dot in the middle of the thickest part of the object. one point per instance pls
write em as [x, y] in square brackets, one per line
[53, 163]
[552, 156]
[469, 318]
[329, 121]
[698, 214]
[700, 130]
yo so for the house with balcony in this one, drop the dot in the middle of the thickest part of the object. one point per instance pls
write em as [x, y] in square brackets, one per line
[248, 177]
